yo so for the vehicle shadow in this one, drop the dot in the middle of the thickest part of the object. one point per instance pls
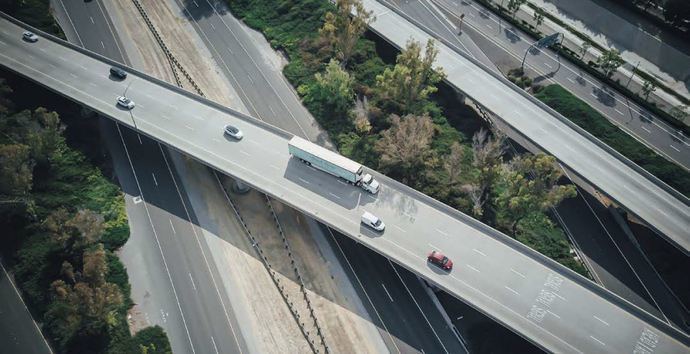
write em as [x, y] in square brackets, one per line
[511, 35]
[115, 78]
[437, 270]
[322, 183]
[366, 231]
[605, 96]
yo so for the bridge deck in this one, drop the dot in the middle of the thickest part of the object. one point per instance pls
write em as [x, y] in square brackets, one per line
[543, 301]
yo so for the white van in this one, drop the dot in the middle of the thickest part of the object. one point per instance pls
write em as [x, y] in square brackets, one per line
[372, 221]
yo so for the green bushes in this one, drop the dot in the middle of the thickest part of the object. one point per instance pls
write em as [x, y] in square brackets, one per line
[592, 121]
[153, 339]
[60, 245]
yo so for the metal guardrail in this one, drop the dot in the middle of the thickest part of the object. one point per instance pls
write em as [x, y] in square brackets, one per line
[541, 105]
[267, 265]
[293, 264]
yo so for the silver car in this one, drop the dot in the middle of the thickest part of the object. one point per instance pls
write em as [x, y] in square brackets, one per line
[125, 102]
[233, 132]
[30, 37]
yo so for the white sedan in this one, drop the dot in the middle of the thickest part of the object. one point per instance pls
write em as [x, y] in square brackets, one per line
[233, 132]
[125, 102]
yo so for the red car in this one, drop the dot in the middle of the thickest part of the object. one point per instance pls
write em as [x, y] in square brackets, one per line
[441, 261]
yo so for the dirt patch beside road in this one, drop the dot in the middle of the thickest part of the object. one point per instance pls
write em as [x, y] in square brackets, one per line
[182, 41]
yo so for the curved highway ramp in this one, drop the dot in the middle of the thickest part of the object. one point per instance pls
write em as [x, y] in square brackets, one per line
[664, 209]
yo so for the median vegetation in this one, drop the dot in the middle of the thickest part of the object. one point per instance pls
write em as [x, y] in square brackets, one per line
[580, 113]
[33, 12]
[64, 220]
[391, 116]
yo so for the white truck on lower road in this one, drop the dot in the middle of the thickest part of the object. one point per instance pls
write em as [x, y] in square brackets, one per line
[333, 163]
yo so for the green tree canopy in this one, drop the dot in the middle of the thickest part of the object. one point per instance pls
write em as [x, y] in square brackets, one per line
[332, 92]
[412, 79]
[343, 28]
[40, 130]
[529, 185]
[85, 308]
[405, 147]
[75, 232]
[514, 6]
[152, 340]
[609, 61]
[16, 171]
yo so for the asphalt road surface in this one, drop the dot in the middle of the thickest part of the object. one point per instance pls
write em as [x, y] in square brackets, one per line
[254, 97]
[665, 211]
[18, 331]
[174, 284]
[268, 97]
[527, 292]
[611, 257]
[509, 41]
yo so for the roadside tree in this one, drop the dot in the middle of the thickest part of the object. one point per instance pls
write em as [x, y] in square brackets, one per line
[609, 61]
[647, 88]
[16, 171]
[343, 28]
[413, 78]
[514, 6]
[405, 148]
[538, 16]
[529, 184]
[84, 310]
[331, 93]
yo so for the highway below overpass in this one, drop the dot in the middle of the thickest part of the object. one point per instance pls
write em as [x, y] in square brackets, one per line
[18, 331]
[173, 284]
[665, 210]
[612, 258]
[539, 299]
[395, 298]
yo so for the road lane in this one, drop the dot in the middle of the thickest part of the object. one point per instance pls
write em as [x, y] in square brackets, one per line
[393, 204]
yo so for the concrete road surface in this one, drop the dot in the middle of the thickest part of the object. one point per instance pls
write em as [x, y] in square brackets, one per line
[18, 332]
[527, 292]
[599, 239]
[172, 283]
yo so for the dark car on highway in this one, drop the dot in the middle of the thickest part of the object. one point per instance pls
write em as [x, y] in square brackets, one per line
[118, 73]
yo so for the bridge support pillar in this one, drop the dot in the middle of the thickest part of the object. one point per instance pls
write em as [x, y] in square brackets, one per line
[240, 187]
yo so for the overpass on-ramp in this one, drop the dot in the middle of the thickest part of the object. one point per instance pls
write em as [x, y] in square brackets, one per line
[520, 288]
[664, 209]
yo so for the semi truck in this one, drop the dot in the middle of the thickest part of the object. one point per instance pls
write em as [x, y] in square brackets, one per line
[332, 163]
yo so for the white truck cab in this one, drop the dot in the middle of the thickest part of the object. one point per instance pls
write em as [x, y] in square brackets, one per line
[369, 184]
[372, 221]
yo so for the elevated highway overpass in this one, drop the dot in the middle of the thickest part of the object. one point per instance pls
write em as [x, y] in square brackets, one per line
[660, 206]
[546, 303]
